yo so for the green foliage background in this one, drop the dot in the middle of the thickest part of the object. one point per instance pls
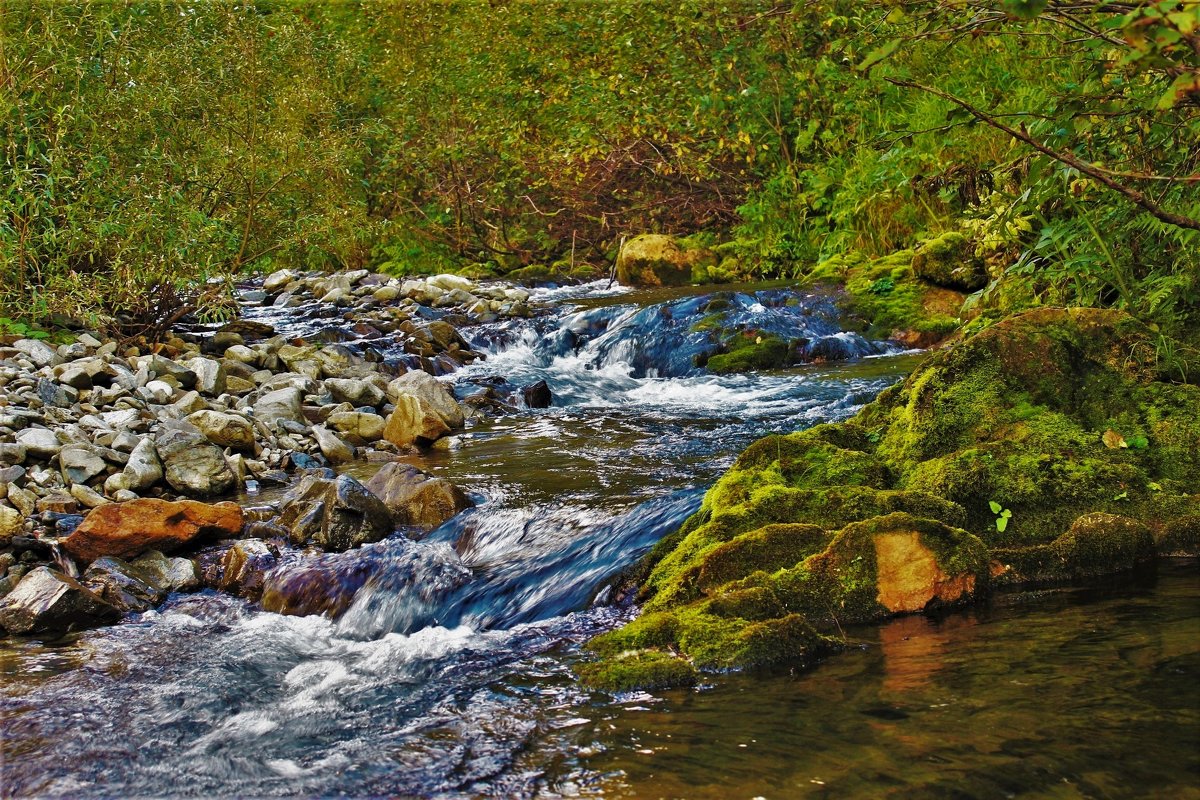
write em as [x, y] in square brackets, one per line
[150, 147]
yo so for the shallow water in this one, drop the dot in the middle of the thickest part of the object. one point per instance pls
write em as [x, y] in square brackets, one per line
[449, 675]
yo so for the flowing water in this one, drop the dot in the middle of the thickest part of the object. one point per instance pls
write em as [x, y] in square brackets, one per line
[449, 674]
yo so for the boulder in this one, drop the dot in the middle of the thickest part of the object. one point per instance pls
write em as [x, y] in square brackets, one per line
[244, 568]
[191, 464]
[11, 523]
[950, 261]
[425, 410]
[657, 260]
[127, 529]
[358, 393]
[40, 353]
[333, 513]
[49, 601]
[39, 442]
[537, 395]
[224, 430]
[210, 375]
[280, 404]
[415, 497]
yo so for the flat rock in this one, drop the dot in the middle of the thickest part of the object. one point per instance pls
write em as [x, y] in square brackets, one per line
[192, 465]
[416, 498]
[127, 529]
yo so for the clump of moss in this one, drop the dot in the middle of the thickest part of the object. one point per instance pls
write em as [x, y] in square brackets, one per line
[1046, 447]
[949, 260]
[644, 669]
[752, 351]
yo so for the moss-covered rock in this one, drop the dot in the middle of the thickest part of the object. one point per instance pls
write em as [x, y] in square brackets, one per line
[654, 259]
[1045, 448]
[751, 351]
[949, 261]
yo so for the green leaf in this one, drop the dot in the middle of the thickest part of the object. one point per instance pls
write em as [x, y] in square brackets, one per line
[1154, 487]
[992, 504]
[1121, 496]
[1139, 442]
[879, 54]
[1025, 9]
[1001, 523]
[1006, 513]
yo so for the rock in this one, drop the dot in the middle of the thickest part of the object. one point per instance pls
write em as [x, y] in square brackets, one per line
[537, 395]
[191, 464]
[281, 404]
[277, 280]
[144, 468]
[657, 260]
[46, 600]
[40, 353]
[357, 427]
[950, 261]
[39, 442]
[23, 500]
[167, 370]
[415, 497]
[333, 513]
[357, 393]
[127, 529]
[76, 376]
[12, 522]
[12, 453]
[80, 463]
[413, 423]
[333, 448]
[117, 583]
[433, 393]
[210, 375]
[224, 430]
[159, 392]
[244, 568]
[242, 354]
[58, 503]
[166, 572]
[88, 497]
[55, 395]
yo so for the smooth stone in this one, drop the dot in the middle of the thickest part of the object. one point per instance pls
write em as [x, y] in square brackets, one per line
[416, 498]
[144, 468]
[224, 430]
[39, 442]
[46, 600]
[127, 529]
[333, 513]
[191, 464]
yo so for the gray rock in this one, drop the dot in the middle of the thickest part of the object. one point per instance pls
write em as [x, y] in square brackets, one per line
[39, 442]
[87, 496]
[277, 280]
[46, 600]
[191, 464]
[157, 391]
[144, 468]
[76, 375]
[335, 514]
[165, 367]
[40, 353]
[210, 375]
[52, 394]
[281, 404]
[12, 453]
[358, 393]
[80, 463]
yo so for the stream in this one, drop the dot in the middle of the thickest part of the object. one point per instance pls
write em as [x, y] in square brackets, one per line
[449, 675]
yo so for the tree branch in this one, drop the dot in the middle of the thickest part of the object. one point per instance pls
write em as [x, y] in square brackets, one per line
[1098, 173]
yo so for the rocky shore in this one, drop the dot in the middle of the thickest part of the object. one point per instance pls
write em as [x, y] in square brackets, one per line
[111, 452]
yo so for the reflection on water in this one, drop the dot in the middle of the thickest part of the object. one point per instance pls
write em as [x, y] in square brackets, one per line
[1071, 697]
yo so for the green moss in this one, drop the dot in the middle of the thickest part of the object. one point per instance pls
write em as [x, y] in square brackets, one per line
[949, 260]
[647, 669]
[1028, 412]
[749, 352]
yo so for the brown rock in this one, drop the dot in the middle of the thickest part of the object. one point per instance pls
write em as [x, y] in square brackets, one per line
[415, 497]
[909, 576]
[126, 529]
[412, 422]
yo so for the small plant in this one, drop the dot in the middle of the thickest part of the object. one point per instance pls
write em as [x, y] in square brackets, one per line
[881, 287]
[22, 329]
[1003, 515]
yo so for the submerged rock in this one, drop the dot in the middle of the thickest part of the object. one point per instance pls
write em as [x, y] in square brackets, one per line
[127, 529]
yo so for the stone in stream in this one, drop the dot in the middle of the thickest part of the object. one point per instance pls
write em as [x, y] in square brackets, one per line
[244, 566]
[12, 522]
[140, 584]
[333, 513]
[127, 529]
[537, 395]
[358, 393]
[415, 497]
[48, 601]
[192, 465]
[425, 410]
[357, 427]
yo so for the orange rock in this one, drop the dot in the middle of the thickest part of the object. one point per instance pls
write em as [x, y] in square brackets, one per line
[909, 576]
[126, 529]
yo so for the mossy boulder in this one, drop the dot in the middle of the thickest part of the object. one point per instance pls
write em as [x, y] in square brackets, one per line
[1046, 448]
[950, 261]
[655, 259]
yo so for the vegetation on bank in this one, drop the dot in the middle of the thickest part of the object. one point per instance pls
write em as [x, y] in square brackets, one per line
[152, 147]
[1050, 447]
